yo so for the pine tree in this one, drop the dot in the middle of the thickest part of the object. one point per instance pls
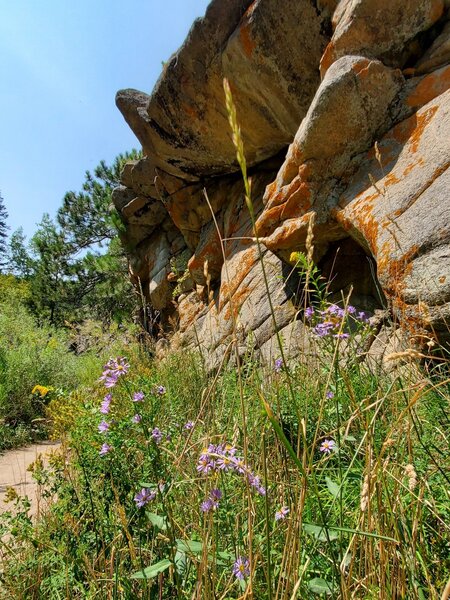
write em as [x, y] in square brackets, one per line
[86, 217]
[3, 235]
[77, 267]
[20, 262]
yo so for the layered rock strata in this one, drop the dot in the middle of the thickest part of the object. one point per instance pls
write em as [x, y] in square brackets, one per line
[344, 109]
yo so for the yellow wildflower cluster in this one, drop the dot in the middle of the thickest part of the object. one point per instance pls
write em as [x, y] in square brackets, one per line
[41, 390]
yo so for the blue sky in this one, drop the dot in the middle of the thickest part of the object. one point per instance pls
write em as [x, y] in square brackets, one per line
[61, 63]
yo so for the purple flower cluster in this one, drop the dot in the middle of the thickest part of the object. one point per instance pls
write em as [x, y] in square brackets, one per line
[241, 568]
[114, 368]
[112, 371]
[329, 322]
[145, 496]
[138, 397]
[223, 458]
[159, 390]
[212, 502]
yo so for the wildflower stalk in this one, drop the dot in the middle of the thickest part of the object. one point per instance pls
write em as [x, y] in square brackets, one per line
[266, 509]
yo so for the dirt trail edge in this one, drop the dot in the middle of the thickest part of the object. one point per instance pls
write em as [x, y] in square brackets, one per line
[13, 472]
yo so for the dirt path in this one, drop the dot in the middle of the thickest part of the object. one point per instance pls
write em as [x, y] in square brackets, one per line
[13, 472]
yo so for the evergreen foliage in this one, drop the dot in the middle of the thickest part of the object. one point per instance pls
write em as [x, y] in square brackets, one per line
[76, 266]
[3, 234]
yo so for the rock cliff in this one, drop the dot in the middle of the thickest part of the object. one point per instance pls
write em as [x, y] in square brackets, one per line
[344, 109]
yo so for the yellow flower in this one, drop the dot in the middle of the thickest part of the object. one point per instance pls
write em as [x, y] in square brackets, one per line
[294, 258]
[41, 390]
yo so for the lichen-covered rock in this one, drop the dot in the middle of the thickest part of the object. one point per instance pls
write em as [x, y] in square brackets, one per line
[403, 218]
[347, 113]
[183, 126]
[380, 29]
[363, 155]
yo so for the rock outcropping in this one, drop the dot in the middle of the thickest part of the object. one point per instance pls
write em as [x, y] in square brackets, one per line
[344, 109]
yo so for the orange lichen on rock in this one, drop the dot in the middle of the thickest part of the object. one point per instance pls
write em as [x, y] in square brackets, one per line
[296, 203]
[248, 43]
[411, 130]
[246, 260]
[237, 300]
[327, 59]
[429, 87]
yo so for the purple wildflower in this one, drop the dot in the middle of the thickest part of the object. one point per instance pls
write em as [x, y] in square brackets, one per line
[157, 435]
[351, 310]
[241, 568]
[103, 427]
[105, 449]
[205, 464]
[255, 482]
[327, 446]
[329, 395]
[160, 390]
[144, 497]
[189, 425]
[341, 336]
[119, 366]
[224, 463]
[363, 318]
[212, 502]
[114, 369]
[110, 381]
[137, 418]
[206, 505]
[309, 313]
[104, 407]
[215, 494]
[138, 396]
[239, 464]
[278, 365]
[333, 309]
[281, 514]
[324, 329]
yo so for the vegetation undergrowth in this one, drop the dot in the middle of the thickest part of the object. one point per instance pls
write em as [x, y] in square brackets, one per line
[38, 365]
[344, 489]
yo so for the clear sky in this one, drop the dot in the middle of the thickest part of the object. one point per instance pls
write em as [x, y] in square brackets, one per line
[61, 63]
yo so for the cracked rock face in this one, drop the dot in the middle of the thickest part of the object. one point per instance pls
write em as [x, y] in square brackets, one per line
[344, 112]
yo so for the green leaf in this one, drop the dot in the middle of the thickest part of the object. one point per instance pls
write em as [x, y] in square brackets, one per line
[180, 562]
[320, 586]
[189, 546]
[333, 487]
[195, 547]
[146, 484]
[319, 532]
[157, 521]
[153, 570]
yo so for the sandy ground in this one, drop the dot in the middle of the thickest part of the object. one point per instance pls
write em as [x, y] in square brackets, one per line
[13, 473]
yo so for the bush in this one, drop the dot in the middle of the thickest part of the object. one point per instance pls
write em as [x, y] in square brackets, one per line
[37, 365]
